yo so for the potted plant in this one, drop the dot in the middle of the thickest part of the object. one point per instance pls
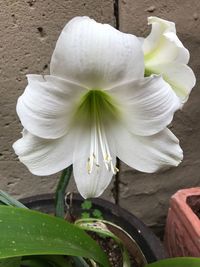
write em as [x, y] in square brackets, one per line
[126, 231]
[182, 232]
[143, 245]
[30, 238]
[108, 95]
[25, 246]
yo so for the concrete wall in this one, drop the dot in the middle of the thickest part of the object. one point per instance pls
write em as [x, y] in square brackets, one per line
[28, 32]
[147, 195]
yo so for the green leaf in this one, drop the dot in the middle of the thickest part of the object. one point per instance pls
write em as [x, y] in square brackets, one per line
[26, 232]
[85, 215]
[6, 199]
[35, 263]
[57, 260]
[176, 262]
[12, 262]
[46, 261]
[60, 191]
[100, 227]
[97, 214]
[86, 205]
[80, 262]
[125, 257]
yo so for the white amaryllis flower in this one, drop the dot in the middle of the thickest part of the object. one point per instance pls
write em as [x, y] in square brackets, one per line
[95, 106]
[165, 54]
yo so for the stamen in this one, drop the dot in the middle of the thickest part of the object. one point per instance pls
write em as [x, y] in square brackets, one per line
[88, 166]
[98, 137]
[116, 169]
[96, 148]
[97, 108]
[92, 155]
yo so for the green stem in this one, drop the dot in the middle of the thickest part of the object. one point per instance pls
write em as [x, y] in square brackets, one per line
[60, 191]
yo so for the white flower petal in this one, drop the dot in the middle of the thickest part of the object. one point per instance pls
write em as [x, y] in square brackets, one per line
[46, 106]
[148, 104]
[96, 54]
[179, 76]
[148, 154]
[43, 156]
[90, 184]
[162, 45]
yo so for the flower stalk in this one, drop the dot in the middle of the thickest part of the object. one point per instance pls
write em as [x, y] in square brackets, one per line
[60, 191]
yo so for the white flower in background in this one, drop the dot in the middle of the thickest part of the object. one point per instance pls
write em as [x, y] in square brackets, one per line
[95, 106]
[165, 54]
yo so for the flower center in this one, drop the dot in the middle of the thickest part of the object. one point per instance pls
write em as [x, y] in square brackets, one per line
[97, 105]
[98, 111]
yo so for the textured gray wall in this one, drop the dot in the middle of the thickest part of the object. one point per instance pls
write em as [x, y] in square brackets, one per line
[147, 195]
[28, 32]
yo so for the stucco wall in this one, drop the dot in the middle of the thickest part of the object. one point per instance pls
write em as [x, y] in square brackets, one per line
[28, 32]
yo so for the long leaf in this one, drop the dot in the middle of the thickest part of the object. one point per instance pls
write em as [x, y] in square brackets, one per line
[57, 260]
[35, 263]
[6, 199]
[46, 261]
[12, 262]
[26, 232]
[176, 262]
[80, 262]
[100, 227]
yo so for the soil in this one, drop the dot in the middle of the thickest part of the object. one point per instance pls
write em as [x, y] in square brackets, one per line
[194, 203]
[112, 250]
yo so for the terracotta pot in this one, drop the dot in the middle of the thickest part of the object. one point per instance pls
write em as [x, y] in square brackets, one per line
[182, 233]
[146, 247]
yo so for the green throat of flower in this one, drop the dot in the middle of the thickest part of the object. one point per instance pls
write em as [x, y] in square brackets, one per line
[97, 106]
[96, 112]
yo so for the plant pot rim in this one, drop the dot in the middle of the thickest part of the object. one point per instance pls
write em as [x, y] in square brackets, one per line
[179, 202]
[153, 247]
[182, 194]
